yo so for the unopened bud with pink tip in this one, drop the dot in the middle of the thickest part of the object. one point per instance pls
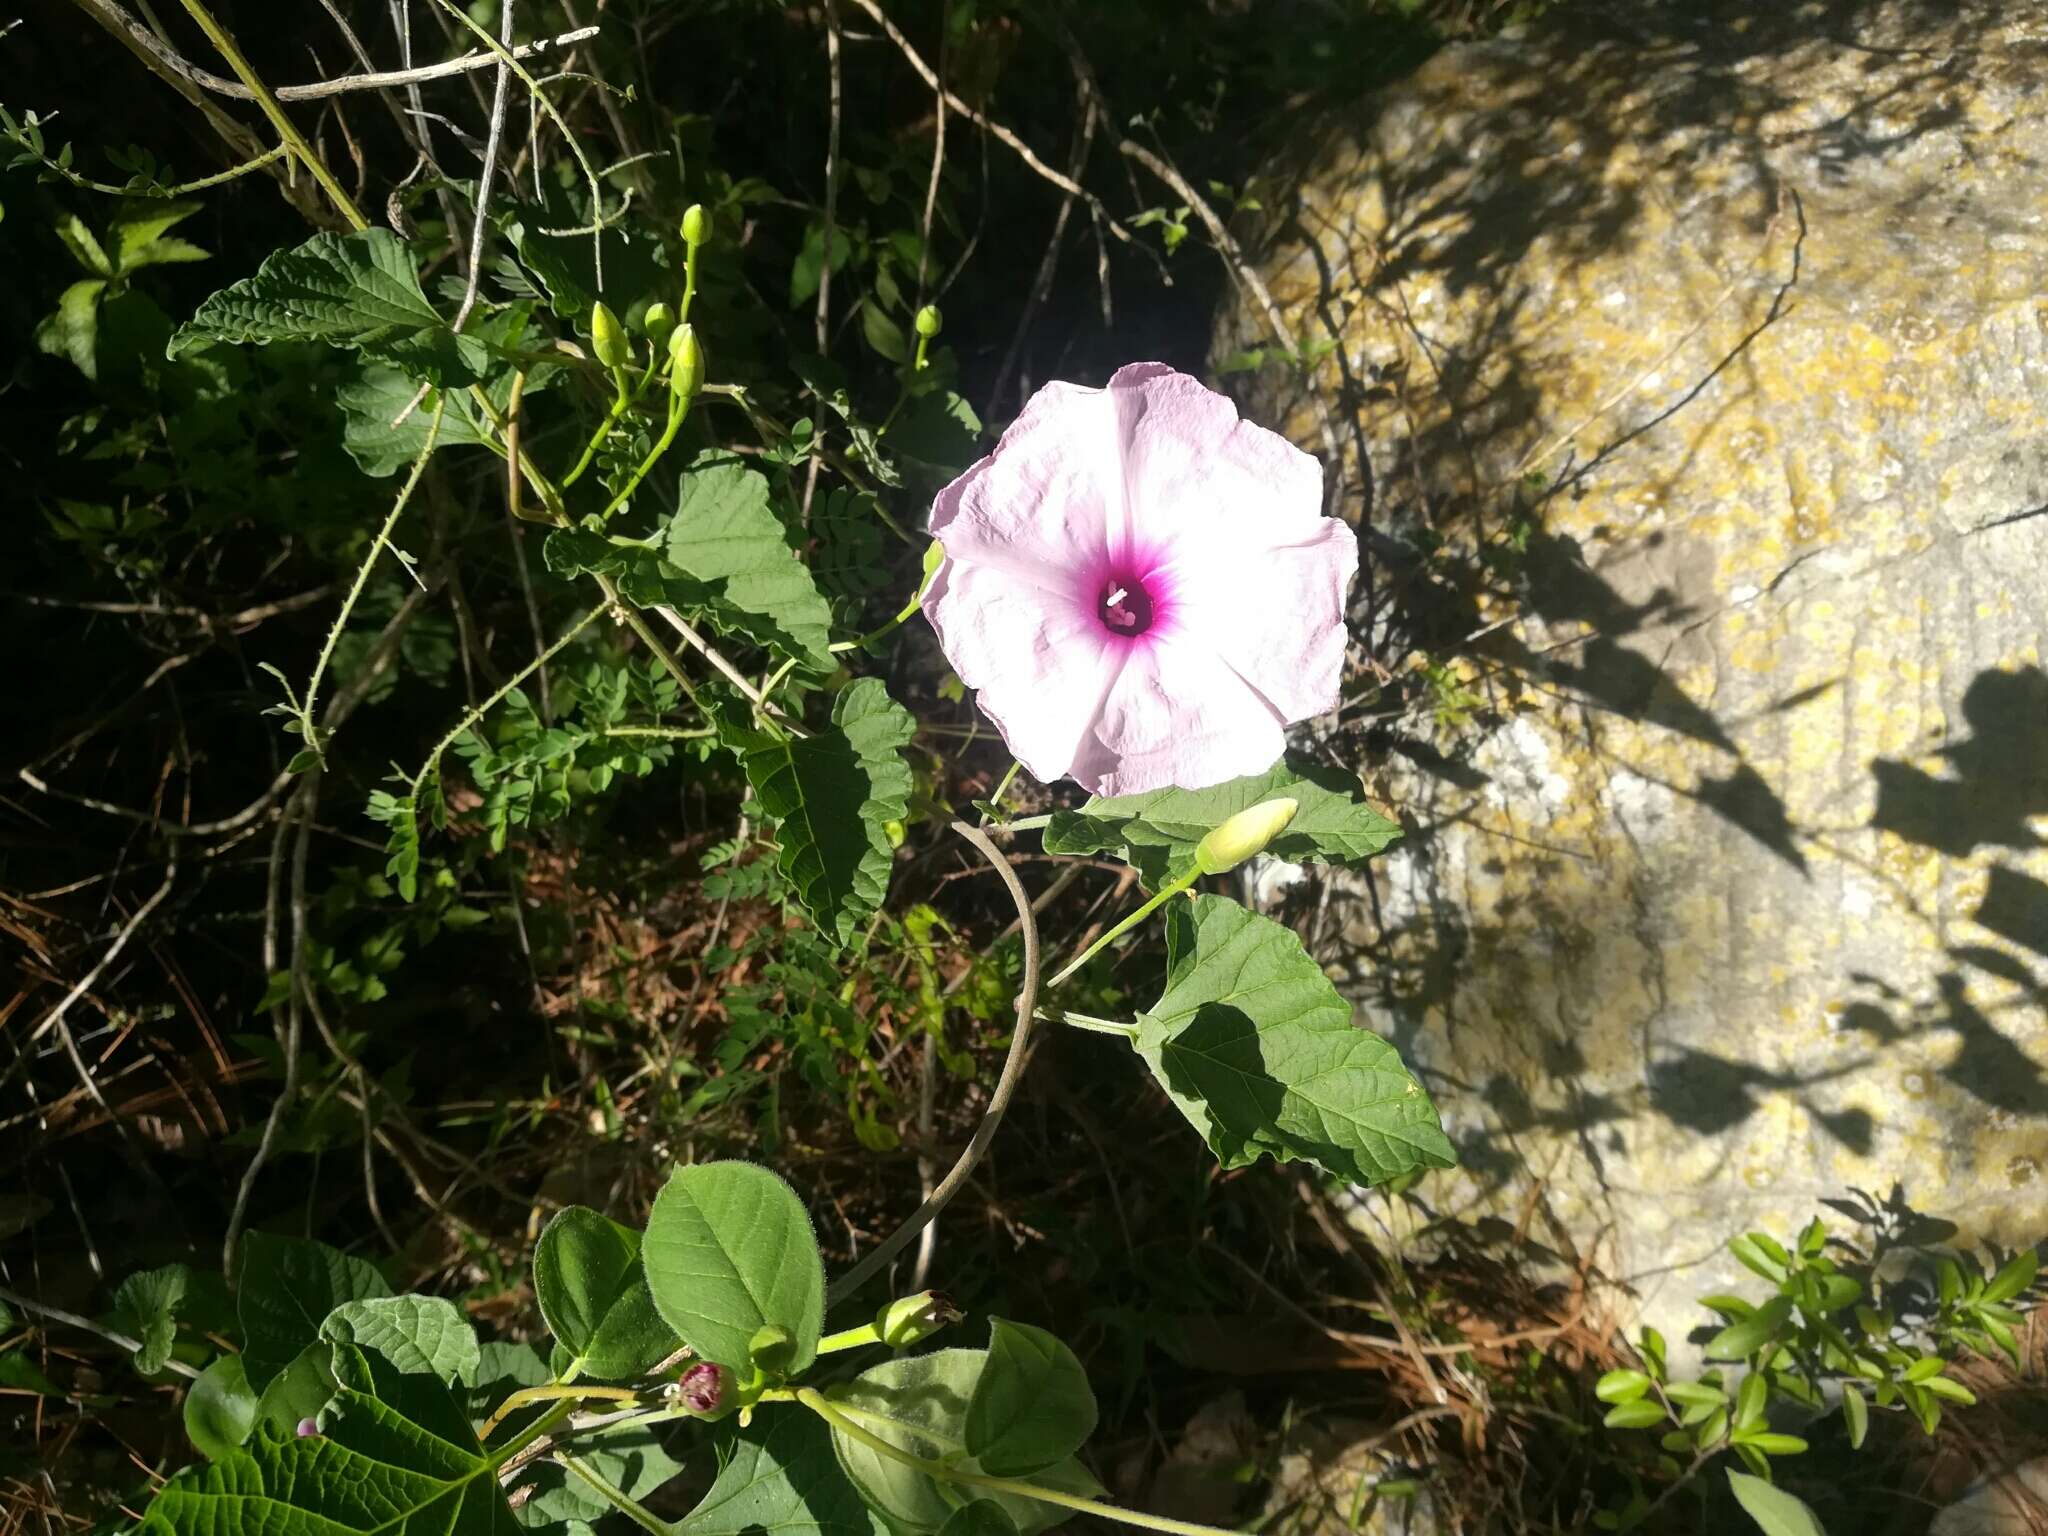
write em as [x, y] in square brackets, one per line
[1243, 835]
[704, 1389]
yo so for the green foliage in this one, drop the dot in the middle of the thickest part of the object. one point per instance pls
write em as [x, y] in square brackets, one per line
[781, 1474]
[918, 1405]
[220, 1408]
[1032, 1405]
[286, 1286]
[726, 535]
[1254, 1045]
[417, 1334]
[594, 1297]
[1818, 1334]
[1157, 831]
[832, 796]
[394, 1454]
[730, 1250]
[360, 291]
[1776, 1512]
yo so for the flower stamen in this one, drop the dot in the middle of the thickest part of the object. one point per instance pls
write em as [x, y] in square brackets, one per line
[1125, 608]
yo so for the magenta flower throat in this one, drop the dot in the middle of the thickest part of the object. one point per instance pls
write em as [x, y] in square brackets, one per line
[1141, 587]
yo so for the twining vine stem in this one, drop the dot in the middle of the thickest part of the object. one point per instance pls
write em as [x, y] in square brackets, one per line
[1006, 1084]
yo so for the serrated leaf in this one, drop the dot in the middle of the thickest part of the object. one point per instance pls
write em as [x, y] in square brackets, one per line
[1253, 1043]
[729, 1249]
[285, 1287]
[594, 1298]
[918, 1403]
[415, 1333]
[1776, 1512]
[1032, 1405]
[139, 230]
[1157, 831]
[394, 1455]
[780, 1475]
[726, 536]
[220, 1408]
[72, 329]
[359, 290]
[832, 796]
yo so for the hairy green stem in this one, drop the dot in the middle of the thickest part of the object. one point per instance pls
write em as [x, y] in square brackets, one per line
[622, 401]
[108, 189]
[630, 1508]
[940, 1471]
[473, 715]
[286, 130]
[1089, 1022]
[661, 732]
[1171, 888]
[310, 730]
[543, 1425]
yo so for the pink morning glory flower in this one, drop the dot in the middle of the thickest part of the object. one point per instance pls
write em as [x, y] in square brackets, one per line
[1141, 587]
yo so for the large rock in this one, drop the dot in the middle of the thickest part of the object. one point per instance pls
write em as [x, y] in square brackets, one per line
[1702, 377]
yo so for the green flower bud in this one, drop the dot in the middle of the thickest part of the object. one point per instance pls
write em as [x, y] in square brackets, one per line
[928, 321]
[913, 1319]
[686, 360]
[608, 337]
[696, 225]
[1246, 833]
[658, 322]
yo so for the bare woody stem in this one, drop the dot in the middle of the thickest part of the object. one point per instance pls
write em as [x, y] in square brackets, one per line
[286, 129]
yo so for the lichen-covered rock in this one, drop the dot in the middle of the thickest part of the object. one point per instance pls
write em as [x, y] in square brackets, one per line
[1701, 378]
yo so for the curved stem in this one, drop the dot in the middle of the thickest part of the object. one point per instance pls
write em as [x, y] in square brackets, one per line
[1006, 1085]
[622, 401]
[471, 716]
[831, 1414]
[560, 1391]
[1171, 888]
[678, 410]
[377, 547]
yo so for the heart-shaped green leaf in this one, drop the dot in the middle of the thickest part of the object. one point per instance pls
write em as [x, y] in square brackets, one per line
[415, 1333]
[918, 1403]
[286, 1286]
[1253, 1043]
[394, 1455]
[1032, 1405]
